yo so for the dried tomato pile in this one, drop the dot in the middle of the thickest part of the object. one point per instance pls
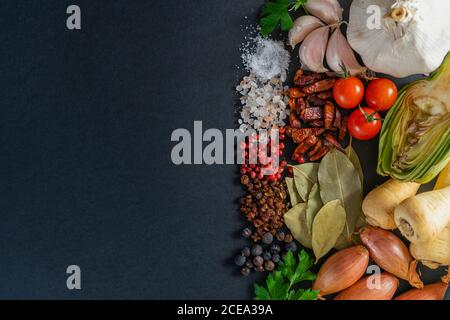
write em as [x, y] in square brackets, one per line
[315, 123]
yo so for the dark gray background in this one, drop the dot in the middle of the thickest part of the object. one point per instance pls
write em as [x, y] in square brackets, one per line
[85, 125]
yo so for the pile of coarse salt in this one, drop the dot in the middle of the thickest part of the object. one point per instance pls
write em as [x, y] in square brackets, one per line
[264, 104]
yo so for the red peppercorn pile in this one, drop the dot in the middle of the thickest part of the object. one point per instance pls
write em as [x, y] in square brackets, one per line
[258, 157]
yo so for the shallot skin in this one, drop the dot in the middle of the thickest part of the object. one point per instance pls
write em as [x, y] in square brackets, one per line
[391, 254]
[342, 270]
[435, 291]
[361, 290]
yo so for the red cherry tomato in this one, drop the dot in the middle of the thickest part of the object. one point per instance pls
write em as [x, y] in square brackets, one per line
[381, 94]
[348, 92]
[364, 124]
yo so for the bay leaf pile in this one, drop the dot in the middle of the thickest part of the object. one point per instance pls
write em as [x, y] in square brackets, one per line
[326, 201]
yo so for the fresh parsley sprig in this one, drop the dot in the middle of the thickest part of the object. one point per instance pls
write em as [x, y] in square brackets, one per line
[276, 12]
[280, 284]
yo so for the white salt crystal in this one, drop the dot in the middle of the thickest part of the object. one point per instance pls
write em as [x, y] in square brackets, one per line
[260, 101]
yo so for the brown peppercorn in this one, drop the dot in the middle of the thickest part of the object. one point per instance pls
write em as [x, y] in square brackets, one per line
[288, 238]
[269, 265]
[245, 180]
[264, 206]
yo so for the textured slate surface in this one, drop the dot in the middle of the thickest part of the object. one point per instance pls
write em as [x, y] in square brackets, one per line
[85, 124]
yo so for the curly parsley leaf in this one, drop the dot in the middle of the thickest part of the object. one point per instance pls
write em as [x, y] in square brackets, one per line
[291, 271]
[276, 12]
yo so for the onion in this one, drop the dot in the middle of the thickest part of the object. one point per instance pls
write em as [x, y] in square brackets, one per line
[391, 254]
[361, 290]
[342, 270]
[434, 291]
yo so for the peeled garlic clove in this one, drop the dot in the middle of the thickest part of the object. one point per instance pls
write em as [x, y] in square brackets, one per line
[302, 27]
[391, 254]
[434, 291]
[371, 288]
[342, 270]
[339, 54]
[329, 11]
[313, 48]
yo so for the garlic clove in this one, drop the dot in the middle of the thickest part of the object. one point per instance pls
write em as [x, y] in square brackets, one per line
[329, 11]
[339, 54]
[313, 49]
[302, 27]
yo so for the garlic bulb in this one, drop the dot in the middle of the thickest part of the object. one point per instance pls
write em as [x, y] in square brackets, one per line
[302, 27]
[400, 37]
[340, 54]
[329, 11]
[313, 48]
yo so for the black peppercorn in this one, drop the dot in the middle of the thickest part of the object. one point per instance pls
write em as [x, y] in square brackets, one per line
[258, 261]
[245, 271]
[246, 233]
[257, 250]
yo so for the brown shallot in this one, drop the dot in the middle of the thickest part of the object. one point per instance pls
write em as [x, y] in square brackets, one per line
[435, 291]
[342, 270]
[375, 287]
[391, 254]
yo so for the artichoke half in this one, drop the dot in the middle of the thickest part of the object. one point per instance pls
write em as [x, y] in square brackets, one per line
[415, 139]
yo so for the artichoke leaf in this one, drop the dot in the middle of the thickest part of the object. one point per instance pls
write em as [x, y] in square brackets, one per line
[415, 139]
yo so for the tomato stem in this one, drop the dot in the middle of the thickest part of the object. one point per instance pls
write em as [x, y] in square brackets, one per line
[369, 117]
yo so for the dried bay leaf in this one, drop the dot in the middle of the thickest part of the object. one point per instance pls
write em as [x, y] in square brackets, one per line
[339, 180]
[305, 176]
[327, 227]
[354, 159]
[314, 205]
[295, 220]
[343, 242]
[293, 193]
